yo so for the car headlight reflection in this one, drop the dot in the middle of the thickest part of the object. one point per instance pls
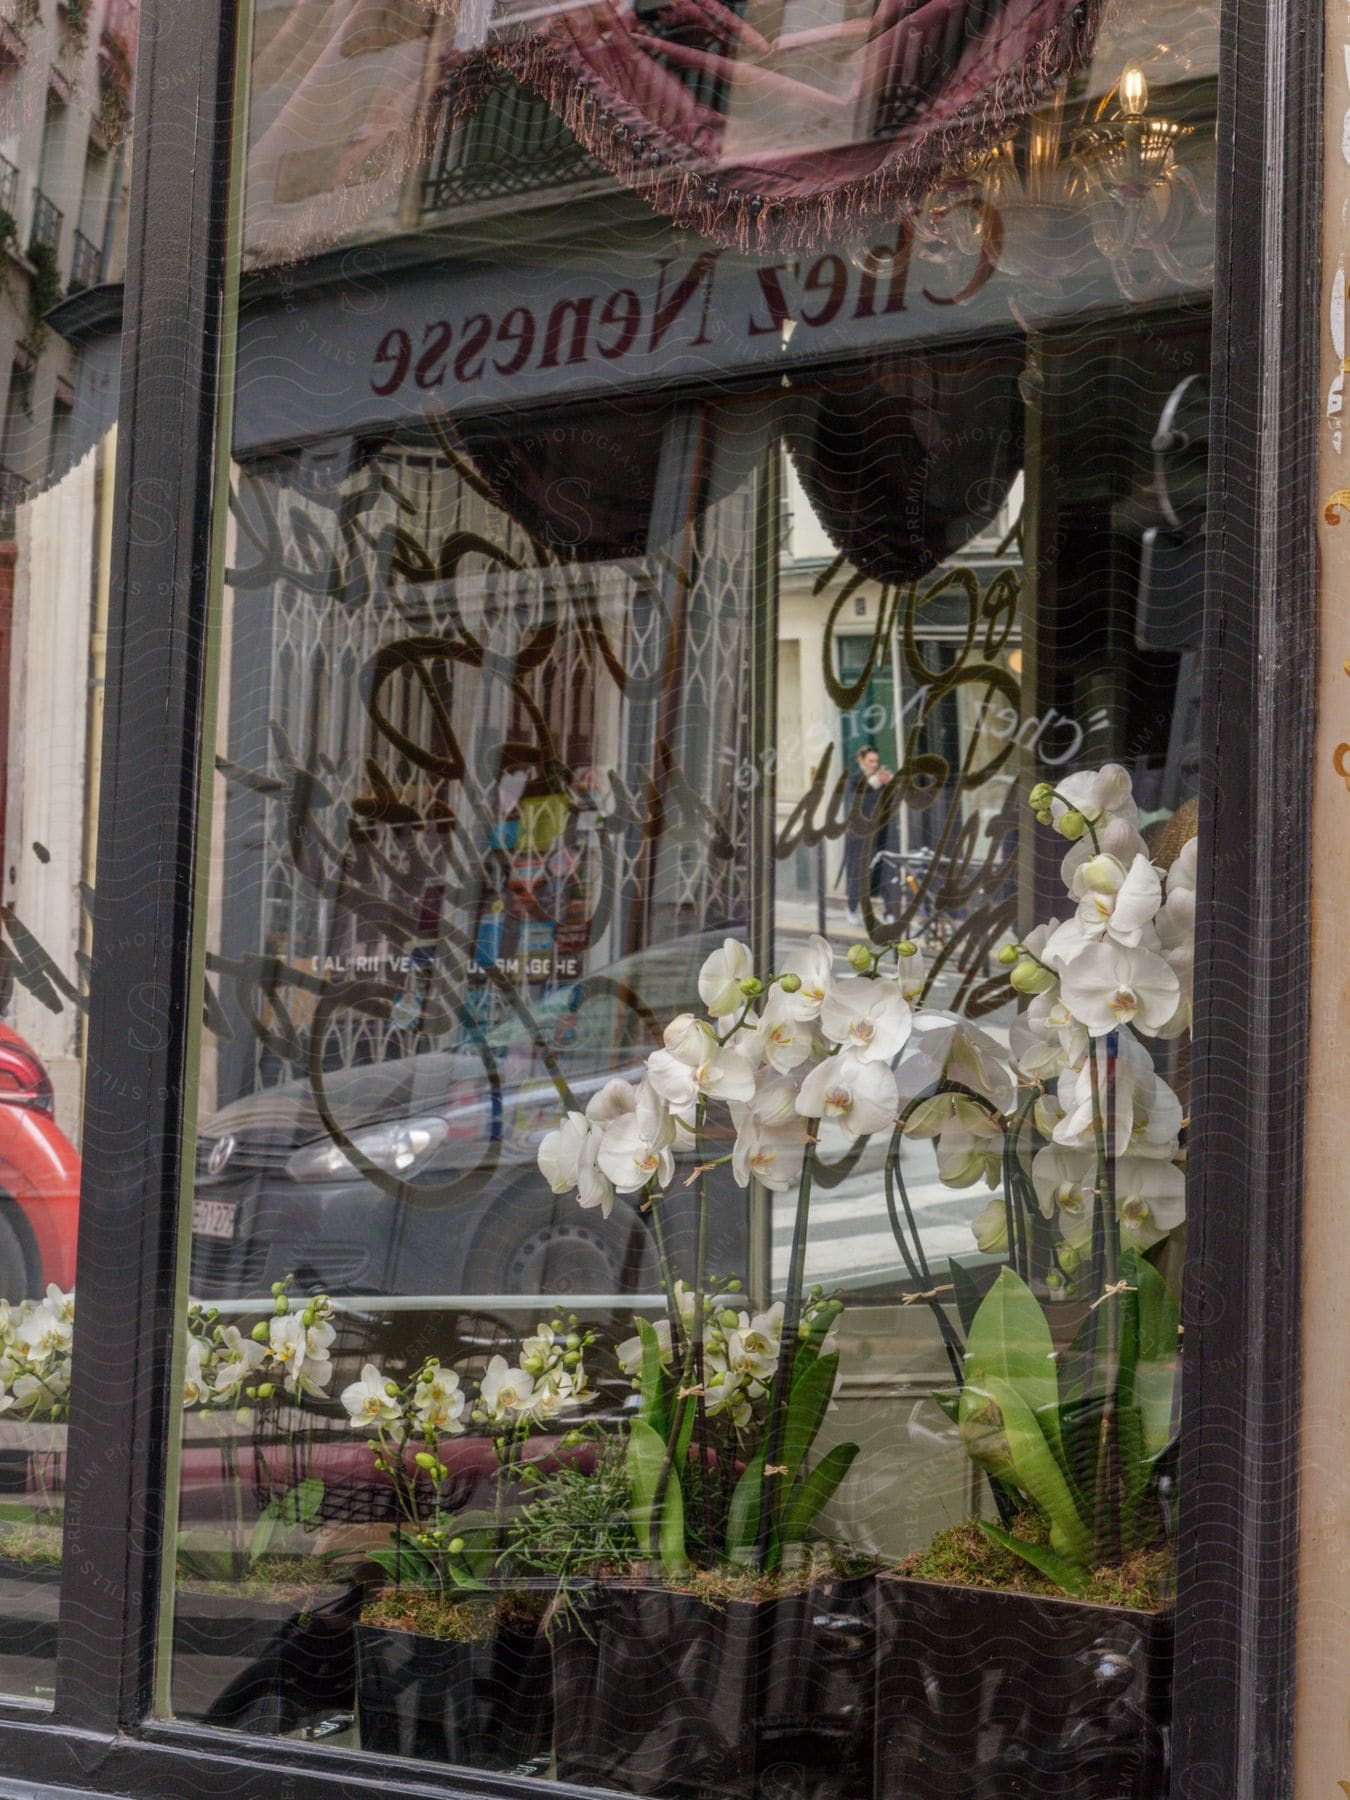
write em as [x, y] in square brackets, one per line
[399, 1148]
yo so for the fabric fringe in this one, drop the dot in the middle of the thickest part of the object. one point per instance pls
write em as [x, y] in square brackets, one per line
[720, 204]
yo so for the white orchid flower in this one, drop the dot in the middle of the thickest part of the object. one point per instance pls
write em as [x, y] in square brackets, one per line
[629, 1157]
[629, 1353]
[1147, 1112]
[752, 1353]
[1101, 795]
[61, 1302]
[44, 1332]
[813, 965]
[721, 975]
[990, 1227]
[963, 1159]
[636, 1147]
[1046, 1039]
[725, 1393]
[771, 1154]
[694, 1063]
[1115, 837]
[240, 1361]
[194, 1372]
[1106, 985]
[859, 1097]
[369, 1403]
[300, 1353]
[1064, 1183]
[439, 1401]
[560, 1152]
[1114, 901]
[784, 1039]
[871, 1019]
[1150, 1199]
[612, 1100]
[947, 1111]
[504, 1390]
[945, 1047]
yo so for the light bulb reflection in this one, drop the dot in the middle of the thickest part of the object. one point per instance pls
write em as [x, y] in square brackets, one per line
[1133, 91]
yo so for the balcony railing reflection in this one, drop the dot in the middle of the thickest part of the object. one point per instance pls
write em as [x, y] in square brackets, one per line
[9, 186]
[85, 263]
[511, 145]
[45, 233]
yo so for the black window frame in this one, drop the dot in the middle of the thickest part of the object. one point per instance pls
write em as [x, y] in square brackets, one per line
[1238, 1530]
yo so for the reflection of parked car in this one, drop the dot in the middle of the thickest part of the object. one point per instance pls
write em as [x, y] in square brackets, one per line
[39, 1178]
[418, 1176]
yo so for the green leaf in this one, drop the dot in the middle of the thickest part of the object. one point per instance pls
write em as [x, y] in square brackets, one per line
[1038, 1472]
[950, 1404]
[646, 1459]
[1070, 1576]
[816, 1491]
[1009, 1341]
[743, 1513]
[304, 1500]
[402, 1563]
[260, 1541]
[652, 1383]
[812, 1388]
[966, 1292]
[1156, 1371]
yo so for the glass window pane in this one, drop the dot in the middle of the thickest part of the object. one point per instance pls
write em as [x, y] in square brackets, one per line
[65, 88]
[690, 1186]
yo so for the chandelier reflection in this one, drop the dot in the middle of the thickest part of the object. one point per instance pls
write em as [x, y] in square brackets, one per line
[1044, 206]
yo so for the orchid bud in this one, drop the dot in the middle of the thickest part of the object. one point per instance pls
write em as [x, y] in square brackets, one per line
[456, 1546]
[860, 957]
[573, 1341]
[261, 1332]
[1071, 825]
[1030, 977]
[1045, 818]
[751, 986]
[727, 1320]
[1009, 955]
[1040, 796]
[308, 1317]
[1101, 874]
[790, 983]
[267, 1390]
[425, 1460]
[391, 1389]
[907, 947]
[533, 1365]
[281, 1306]
[733, 1286]
[572, 1360]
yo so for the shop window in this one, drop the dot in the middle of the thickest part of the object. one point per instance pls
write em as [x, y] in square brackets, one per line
[689, 1139]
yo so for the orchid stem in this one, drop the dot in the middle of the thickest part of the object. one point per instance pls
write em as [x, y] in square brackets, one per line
[781, 1396]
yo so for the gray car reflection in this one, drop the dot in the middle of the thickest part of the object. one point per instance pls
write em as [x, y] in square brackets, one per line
[418, 1176]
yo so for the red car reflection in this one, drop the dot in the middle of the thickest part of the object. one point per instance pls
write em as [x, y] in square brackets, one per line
[39, 1178]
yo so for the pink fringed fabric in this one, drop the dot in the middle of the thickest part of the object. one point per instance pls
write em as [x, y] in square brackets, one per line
[790, 141]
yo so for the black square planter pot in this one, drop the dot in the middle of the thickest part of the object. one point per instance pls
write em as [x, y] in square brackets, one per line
[666, 1693]
[238, 1660]
[983, 1695]
[484, 1704]
[30, 1600]
[264, 1665]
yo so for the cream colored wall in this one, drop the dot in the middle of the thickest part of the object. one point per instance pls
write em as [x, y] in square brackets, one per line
[1322, 1705]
